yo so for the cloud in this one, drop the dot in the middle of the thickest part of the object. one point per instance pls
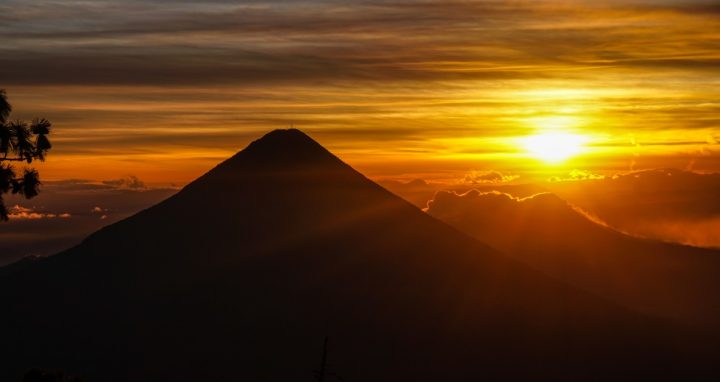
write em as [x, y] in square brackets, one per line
[277, 41]
[453, 202]
[576, 174]
[701, 232]
[130, 182]
[67, 211]
[24, 213]
[19, 209]
[100, 211]
[130, 82]
[184, 84]
[481, 177]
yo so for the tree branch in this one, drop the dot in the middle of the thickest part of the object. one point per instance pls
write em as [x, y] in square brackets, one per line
[13, 159]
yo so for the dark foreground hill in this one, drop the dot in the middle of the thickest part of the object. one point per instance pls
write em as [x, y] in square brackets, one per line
[674, 281]
[242, 274]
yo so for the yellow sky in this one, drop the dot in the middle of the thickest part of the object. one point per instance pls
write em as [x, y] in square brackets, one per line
[397, 89]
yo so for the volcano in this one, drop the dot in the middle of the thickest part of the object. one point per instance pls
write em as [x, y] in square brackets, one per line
[668, 280]
[244, 273]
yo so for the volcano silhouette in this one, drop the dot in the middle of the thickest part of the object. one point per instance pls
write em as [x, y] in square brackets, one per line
[243, 273]
[673, 281]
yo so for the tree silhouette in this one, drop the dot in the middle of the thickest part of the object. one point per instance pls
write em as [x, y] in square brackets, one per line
[20, 142]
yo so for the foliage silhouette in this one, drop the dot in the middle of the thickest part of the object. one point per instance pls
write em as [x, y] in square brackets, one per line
[20, 142]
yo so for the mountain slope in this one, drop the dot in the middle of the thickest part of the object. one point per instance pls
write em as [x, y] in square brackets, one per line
[244, 272]
[668, 280]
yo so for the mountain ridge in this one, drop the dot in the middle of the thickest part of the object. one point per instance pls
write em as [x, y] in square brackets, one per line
[663, 279]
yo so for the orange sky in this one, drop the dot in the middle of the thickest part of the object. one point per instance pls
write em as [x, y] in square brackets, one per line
[429, 89]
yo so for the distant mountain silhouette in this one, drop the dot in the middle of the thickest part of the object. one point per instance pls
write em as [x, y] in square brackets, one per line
[669, 280]
[242, 274]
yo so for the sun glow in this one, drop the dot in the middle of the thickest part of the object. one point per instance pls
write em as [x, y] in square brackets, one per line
[554, 147]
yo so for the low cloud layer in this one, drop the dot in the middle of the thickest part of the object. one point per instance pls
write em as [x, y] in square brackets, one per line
[490, 204]
[130, 182]
[664, 204]
[19, 212]
[483, 177]
[66, 212]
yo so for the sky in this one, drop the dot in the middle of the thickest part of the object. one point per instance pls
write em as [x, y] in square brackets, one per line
[579, 98]
[165, 90]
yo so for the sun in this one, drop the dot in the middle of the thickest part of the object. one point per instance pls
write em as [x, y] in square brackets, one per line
[554, 147]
